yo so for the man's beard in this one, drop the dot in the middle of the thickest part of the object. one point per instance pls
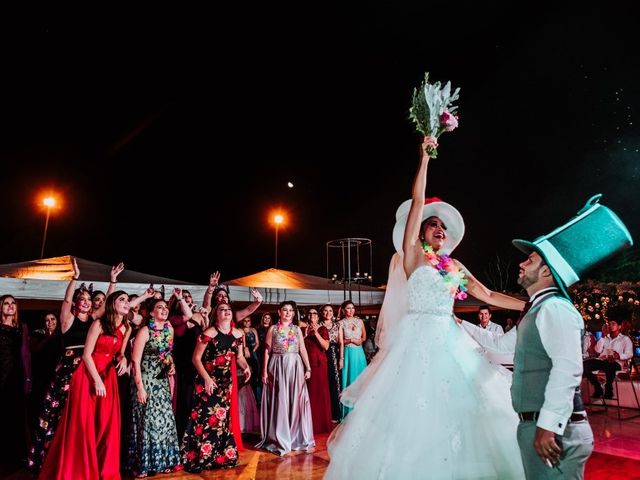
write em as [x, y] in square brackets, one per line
[528, 279]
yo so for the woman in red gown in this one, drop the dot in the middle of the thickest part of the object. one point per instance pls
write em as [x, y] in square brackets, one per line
[316, 340]
[86, 445]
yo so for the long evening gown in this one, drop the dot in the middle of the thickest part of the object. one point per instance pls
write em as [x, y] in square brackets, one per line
[285, 411]
[13, 420]
[355, 360]
[56, 397]
[153, 444]
[433, 407]
[333, 371]
[208, 441]
[87, 442]
[318, 383]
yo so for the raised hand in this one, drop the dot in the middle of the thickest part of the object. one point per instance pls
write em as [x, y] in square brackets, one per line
[177, 292]
[214, 279]
[115, 271]
[76, 270]
[256, 294]
[428, 143]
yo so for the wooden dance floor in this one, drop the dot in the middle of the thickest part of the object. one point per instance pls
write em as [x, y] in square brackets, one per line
[261, 465]
[617, 445]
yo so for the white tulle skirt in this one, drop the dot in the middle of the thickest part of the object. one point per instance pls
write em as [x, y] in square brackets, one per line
[430, 406]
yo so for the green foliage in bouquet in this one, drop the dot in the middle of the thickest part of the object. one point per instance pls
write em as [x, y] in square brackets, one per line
[432, 109]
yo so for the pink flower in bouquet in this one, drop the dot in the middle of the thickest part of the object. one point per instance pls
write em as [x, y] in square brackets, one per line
[448, 121]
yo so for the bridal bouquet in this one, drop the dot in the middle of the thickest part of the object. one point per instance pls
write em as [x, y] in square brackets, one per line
[432, 110]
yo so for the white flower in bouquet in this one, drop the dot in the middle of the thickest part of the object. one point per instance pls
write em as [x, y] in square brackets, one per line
[432, 110]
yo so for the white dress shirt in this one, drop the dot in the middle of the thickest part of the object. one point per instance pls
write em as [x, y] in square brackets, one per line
[560, 326]
[493, 327]
[621, 344]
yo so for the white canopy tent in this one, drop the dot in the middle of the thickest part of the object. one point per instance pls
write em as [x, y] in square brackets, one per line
[279, 285]
[41, 284]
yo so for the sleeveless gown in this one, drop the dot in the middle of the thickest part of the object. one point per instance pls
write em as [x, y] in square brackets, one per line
[432, 406]
[87, 442]
[56, 397]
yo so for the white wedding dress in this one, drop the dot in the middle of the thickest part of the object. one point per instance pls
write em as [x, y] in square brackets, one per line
[431, 406]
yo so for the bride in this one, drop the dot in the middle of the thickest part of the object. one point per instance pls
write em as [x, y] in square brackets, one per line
[430, 405]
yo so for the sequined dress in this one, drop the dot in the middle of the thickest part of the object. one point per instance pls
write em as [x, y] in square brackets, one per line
[433, 407]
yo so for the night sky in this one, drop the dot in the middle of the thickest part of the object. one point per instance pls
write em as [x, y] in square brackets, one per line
[239, 100]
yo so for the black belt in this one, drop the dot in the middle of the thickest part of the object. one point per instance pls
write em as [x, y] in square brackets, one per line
[533, 416]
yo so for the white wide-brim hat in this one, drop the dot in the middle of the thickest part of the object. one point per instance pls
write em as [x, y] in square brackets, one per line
[432, 208]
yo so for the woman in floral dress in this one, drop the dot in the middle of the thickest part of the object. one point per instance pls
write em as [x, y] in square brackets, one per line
[76, 317]
[153, 445]
[335, 359]
[208, 441]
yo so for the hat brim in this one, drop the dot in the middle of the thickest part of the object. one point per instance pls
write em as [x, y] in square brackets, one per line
[449, 215]
[527, 247]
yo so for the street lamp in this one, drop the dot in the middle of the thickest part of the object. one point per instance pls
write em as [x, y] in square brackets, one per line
[277, 219]
[48, 202]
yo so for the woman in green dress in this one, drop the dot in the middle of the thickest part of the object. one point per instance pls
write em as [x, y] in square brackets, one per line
[153, 445]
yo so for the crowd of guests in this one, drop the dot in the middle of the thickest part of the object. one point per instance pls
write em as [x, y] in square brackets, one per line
[136, 382]
[611, 353]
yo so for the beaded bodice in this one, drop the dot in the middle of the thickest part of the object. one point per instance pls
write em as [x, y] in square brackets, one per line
[428, 292]
[351, 327]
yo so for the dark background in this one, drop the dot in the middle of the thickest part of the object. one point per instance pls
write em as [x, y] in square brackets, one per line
[238, 100]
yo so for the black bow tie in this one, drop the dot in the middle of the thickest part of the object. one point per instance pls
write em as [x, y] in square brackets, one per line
[524, 311]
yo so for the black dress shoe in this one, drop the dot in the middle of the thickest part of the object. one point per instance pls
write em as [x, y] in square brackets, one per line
[597, 394]
[608, 395]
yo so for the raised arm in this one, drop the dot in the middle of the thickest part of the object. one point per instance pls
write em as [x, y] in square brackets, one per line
[113, 279]
[135, 318]
[66, 315]
[413, 255]
[482, 293]
[187, 313]
[214, 278]
[248, 310]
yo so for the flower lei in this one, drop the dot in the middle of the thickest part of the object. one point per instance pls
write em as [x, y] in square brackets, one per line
[453, 277]
[164, 338]
[288, 337]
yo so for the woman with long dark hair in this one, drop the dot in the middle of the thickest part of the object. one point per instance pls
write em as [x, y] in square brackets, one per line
[208, 441]
[153, 445]
[15, 382]
[87, 443]
[76, 317]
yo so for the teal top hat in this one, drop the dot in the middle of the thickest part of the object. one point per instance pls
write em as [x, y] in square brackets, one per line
[594, 235]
